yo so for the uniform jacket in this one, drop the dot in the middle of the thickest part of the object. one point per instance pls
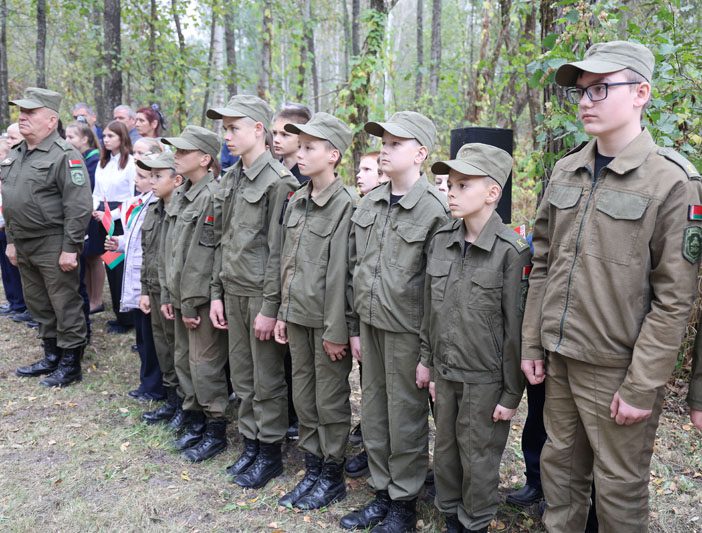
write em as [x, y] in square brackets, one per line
[473, 307]
[387, 255]
[150, 246]
[188, 246]
[610, 284]
[46, 191]
[131, 245]
[314, 260]
[249, 211]
[694, 396]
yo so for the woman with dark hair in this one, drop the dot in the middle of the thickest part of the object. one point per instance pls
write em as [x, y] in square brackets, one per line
[149, 121]
[114, 183]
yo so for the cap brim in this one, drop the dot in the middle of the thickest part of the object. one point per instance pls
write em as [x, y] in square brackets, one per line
[377, 129]
[26, 104]
[221, 112]
[307, 130]
[179, 143]
[443, 167]
[154, 165]
[567, 75]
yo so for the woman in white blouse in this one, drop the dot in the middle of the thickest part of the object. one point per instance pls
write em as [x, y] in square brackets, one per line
[114, 183]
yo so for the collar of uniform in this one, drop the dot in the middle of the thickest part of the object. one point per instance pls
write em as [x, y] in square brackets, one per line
[408, 200]
[487, 236]
[195, 188]
[631, 157]
[324, 195]
[45, 145]
[258, 165]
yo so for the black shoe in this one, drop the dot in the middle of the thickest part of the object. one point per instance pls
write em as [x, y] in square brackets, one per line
[214, 441]
[32, 324]
[135, 348]
[356, 436]
[453, 524]
[166, 411]
[246, 459]
[68, 370]
[525, 496]
[98, 309]
[330, 488]
[401, 517]
[293, 432]
[24, 316]
[194, 433]
[268, 464]
[313, 468]
[52, 356]
[180, 420]
[357, 466]
[370, 515]
[6, 310]
[115, 328]
[146, 396]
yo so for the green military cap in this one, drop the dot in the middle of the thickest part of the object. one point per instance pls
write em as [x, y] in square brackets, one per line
[602, 58]
[478, 159]
[244, 105]
[36, 97]
[408, 125]
[196, 138]
[327, 127]
[157, 161]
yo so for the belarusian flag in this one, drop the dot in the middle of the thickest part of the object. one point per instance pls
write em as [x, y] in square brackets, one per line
[694, 212]
[107, 221]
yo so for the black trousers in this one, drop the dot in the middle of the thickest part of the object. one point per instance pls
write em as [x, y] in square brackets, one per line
[150, 379]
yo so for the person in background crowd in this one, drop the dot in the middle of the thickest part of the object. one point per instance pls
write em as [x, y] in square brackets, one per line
[83, 112]
[286, 144]
[127, 116]
[149, 121]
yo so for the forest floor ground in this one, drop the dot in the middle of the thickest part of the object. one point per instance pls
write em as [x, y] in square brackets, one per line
[80, 459]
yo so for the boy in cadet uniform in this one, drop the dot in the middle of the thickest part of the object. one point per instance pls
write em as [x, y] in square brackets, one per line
[313, 313]
[163, 182]
[616, 257]
[694, 395]
[387, 258]
[246, 285]
[474, 295]
[189, 244]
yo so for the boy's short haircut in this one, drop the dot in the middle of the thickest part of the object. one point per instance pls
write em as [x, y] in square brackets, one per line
[294, 113]
[374, 154]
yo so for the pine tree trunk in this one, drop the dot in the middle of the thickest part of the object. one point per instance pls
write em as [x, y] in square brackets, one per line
[264, 81]
[99, 69]
[4, 85]
[435, 47]
[41, 43]
[113, 55]
[230, 40]
[355, 27]
[180, 114]
[208, 69]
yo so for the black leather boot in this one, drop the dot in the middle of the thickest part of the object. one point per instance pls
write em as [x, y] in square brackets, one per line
[401, 517]
[313, 468]
[193, 434]
[268, 464]
[453, 524]
[214, 441]
[246, 459]
[179, 422]
[525, 496]
[52, 356]
[357, 466]
[330, 488]
[370, 515]
[166, 411]
[68, 370]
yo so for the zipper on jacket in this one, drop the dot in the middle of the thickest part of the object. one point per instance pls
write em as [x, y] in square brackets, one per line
[595, 183]
[377, 264]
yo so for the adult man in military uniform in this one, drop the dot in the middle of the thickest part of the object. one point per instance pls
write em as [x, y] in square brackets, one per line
[47, 205]
[616, 257]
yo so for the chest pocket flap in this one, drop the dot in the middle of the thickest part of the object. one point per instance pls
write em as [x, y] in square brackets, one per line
[438, 268]
[41, 165]
[487, 279]
[320, 226]
[564, 196]
[363, 218]
[253, 194]
[294, 218]
[621, 205]
[411, 233]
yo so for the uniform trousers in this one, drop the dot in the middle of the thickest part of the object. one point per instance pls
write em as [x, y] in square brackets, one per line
[584, 442]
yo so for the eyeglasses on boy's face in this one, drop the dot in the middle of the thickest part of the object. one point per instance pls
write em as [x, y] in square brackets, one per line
[595, 92]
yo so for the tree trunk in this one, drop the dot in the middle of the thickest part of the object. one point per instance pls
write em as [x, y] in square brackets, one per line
[264, 81]
[153, 63]
[435, 47]
[355, 27]
[180, 114]
[347, 38]
[208, 69]
[309, 36]
[113, 55]
[4, 85]
[230, 40]
[301, 69]
[41, 43]
[99, 69]
[420, 50]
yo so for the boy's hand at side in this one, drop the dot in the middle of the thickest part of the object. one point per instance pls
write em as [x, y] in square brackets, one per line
[217, 315]
[422, 376]
[625, 414]
[336, 352]
[11, 254]
[280, 332]
[696, 418]
[263, 327]
[145, 304]
[533, 370]
[432, 390]
[355, 343]
[191, 323]
[502, 413]
[111, 244]
[167, 311]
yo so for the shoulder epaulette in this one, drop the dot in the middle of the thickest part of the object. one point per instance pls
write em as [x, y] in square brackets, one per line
[509, 235]
[280, 169]
[680, 160]
[64, 144]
